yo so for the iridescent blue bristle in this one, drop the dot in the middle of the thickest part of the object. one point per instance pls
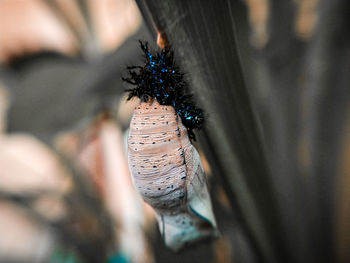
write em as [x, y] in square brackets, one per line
[159, 78]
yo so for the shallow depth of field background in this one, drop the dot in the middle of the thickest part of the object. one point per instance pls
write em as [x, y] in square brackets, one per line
[273, 78]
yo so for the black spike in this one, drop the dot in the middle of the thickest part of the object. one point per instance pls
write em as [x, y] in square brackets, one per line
[160, 79]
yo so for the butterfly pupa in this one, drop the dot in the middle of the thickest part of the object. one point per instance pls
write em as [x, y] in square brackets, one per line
[165, 166]
[168, 174]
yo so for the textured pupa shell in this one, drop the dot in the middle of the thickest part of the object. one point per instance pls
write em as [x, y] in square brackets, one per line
[168, 174]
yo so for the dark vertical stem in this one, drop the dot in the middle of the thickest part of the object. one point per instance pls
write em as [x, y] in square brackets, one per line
[328, 97]
[278, 69]
[147, 18]
[203, 36]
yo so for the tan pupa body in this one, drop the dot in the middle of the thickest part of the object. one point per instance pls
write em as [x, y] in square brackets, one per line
[168, 173]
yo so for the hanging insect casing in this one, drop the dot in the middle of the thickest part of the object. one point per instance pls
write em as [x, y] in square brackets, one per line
[168, 173]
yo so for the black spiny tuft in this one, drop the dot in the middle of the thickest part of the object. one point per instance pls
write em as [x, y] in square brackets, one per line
[161, 79]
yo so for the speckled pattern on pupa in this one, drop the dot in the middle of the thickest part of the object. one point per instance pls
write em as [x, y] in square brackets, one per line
[168, 173]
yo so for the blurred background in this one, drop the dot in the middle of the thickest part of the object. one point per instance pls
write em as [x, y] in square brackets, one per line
[273, 79]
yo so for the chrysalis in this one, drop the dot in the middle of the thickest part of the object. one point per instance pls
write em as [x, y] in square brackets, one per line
[165, 166]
